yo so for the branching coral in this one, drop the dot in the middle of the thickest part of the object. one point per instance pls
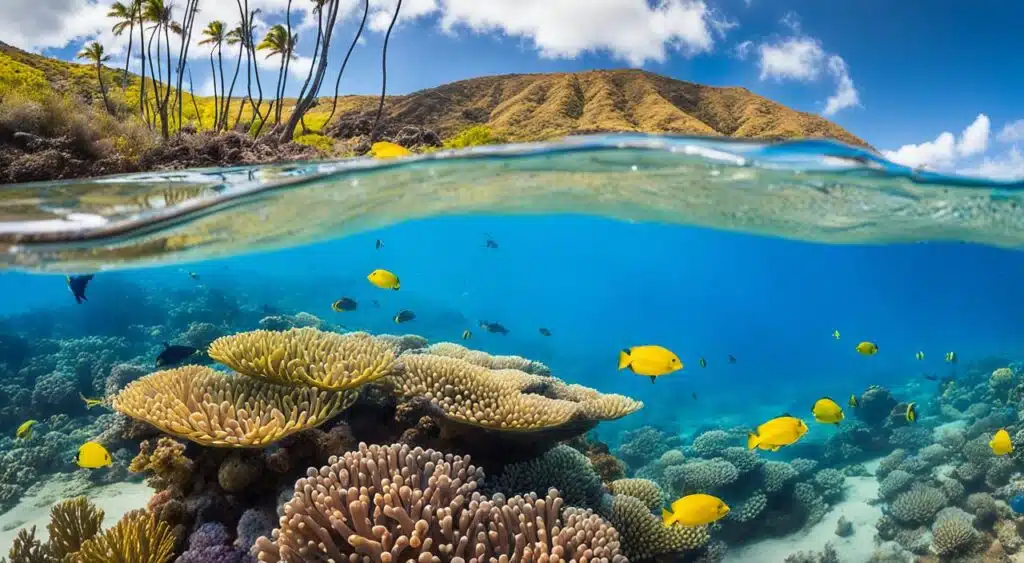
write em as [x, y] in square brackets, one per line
[394, 503]
[213, 409]
[26, 548]
[701, 476]
[645, 536]
[952, 535]
[562, 468]
[72, 523]
[137, 538]
[308, 356]
[166, 463]
[507, 400]
[644, 489]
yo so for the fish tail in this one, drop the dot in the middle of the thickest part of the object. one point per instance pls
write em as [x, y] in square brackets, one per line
[667, 517]
[752, 440]
[624, 359]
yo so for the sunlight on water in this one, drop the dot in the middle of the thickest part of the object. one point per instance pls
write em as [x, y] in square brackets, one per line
[808, 190]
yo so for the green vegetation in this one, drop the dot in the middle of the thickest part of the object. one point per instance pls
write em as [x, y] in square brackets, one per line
[474, 136]
[319, 142]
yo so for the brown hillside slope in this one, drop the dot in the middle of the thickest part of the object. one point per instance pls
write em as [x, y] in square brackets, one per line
[527, 107]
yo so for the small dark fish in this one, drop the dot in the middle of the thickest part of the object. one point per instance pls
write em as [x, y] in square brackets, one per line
[344, 304]
[694, 395]
[173, 355]
[545, 332]
[494, 327]
[491, 243]
[703, 363]
[931, 377]
[77, 285]
[466, 335]
[379, 244]
[193, 275]
[403, 316]
[376, 304]
[732, 359]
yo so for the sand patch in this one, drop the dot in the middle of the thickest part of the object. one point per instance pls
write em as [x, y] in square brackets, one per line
[856, 548]
[34, 508]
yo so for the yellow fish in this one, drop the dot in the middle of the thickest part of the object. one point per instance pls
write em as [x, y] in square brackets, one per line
[90, 403]
[93, 456]
[826, 410]
[853, 401]
[951, 357]
[466, 335]
[384, 149]
[695, 510]
[911, 412]
[1001, 444]
[867, 348]
[919, 355]
[24, 432]
[777, 432]
[835, 334]
[384, 279]
[652, 361]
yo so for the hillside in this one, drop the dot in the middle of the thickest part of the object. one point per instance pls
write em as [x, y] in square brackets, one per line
[523, 107]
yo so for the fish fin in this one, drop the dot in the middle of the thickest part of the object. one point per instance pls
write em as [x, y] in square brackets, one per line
[752, 440]
[786, 414]
[667, 517]
[624, 359]
[775, 449]
[654, 378]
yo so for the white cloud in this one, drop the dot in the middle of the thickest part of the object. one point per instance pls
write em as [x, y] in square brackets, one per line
[631, 30]
[1008, 166]
[846, 95]
[1012, 132]
[792, 21]
[945, 151]
[795, 58]
[742, 50]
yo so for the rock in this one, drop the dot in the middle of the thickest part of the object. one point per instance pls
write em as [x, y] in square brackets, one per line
[844, 528]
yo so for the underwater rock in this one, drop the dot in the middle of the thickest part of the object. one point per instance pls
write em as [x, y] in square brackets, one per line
[874, 406]
[120, 376]
[827, 555]
[844, 528]
[238, 472]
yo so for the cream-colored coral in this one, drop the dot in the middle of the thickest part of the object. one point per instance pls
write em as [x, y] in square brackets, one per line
[73, 522]
[506, 399]
[483, 359]
[647, 491]
[390, 504]
[137, 538]
[1001, 379]
[644, 536]
[220, 410]
[308, 356]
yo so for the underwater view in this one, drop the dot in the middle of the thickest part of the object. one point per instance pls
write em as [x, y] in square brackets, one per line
[508, 281]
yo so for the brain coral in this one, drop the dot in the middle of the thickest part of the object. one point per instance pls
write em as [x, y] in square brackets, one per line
[918, 505]
[213, 409]
[506, 399]
[393, 504]
[308, 356]
[644, 536]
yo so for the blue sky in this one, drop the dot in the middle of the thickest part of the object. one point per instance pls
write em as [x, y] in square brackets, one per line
[931, 82]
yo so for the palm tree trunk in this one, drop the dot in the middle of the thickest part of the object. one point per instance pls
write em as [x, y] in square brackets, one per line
[220, 64]
[337, 83]
[191, 7]
[216, 104]
[287, 63]
[306, 102]
[143, 106]
[155, 73]
[246, 40]
[277, 91]
[128, 57]
[103, 87]
[191, 90]
[165, 117]
[384, 73]
[231, 90]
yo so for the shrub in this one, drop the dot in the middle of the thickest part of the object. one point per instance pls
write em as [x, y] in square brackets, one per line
[319, 142]
[472, 137]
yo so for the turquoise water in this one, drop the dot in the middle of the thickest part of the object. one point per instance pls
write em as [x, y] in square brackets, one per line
[710, 249]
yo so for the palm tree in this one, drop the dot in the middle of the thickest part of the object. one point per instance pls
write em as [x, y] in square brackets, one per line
[94, 53]
[384, 72]
[344, 63]
[214, 35]
[279, 42]
[126, 17]
[310, 90]
[160, 14]
[235, 37]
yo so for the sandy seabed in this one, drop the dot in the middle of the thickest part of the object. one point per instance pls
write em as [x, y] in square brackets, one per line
[855, 548]
[34, 508]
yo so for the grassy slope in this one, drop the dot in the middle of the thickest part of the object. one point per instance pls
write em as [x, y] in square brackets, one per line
[518, 107]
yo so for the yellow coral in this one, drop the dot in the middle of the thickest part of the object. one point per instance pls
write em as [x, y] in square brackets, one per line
[215, 409]
[166, 462]
[72, 522]
[137, 538]
[308, 356]
[483, 359]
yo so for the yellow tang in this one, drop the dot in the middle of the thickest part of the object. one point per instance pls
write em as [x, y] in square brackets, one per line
[652, 361]
[867, 348]
[777, 432]
[24, 432]
[826, 410]
[384, 279]
[1001, 444]
[695, 510]
[93, 456]
[911, 412]
[853, 401]
[90, 403]
[919, 355]
[466, 335]
[384, 149]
